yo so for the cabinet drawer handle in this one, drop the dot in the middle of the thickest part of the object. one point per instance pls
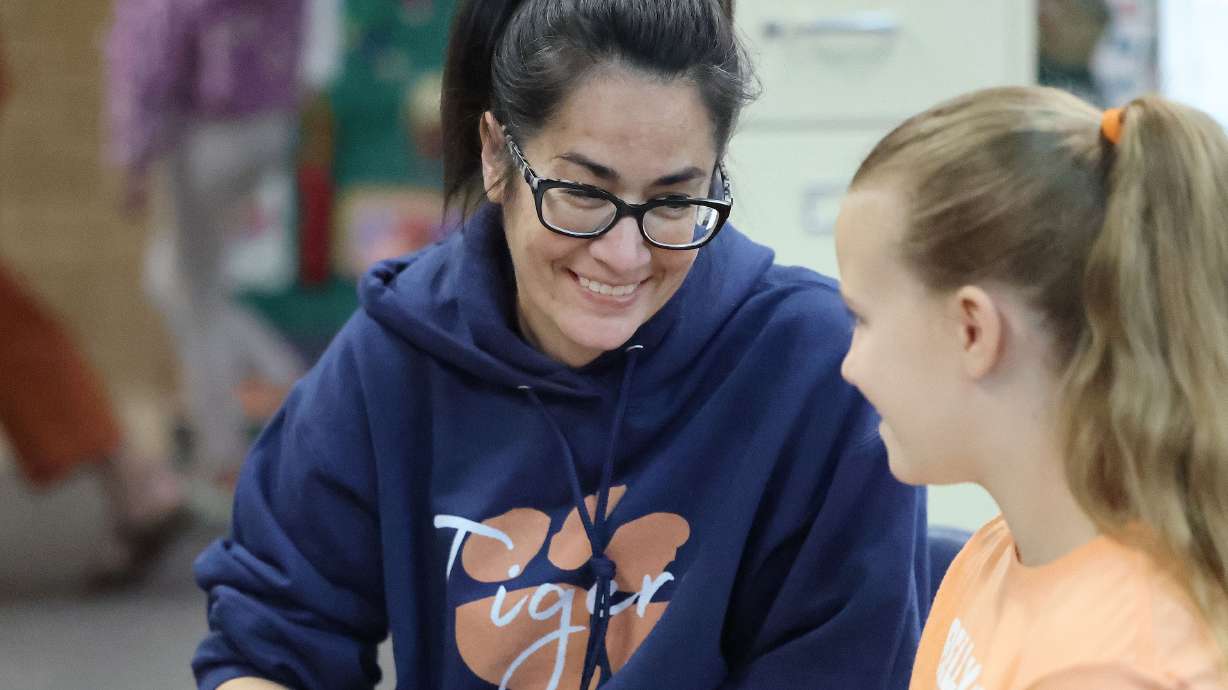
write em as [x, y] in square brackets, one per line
[875, 23]
[820, 206]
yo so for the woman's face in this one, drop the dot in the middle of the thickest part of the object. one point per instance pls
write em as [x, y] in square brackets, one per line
[635, 136]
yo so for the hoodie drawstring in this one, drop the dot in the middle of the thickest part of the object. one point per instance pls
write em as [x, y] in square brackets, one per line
[596, 527]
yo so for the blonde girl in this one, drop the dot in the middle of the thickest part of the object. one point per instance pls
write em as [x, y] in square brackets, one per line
[1041, 297]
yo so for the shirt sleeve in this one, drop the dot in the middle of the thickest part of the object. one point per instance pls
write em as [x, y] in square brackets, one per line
[295, 594]
[840, 603]
[147, 55]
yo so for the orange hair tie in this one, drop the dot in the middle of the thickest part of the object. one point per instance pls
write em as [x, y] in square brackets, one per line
[1110, 124]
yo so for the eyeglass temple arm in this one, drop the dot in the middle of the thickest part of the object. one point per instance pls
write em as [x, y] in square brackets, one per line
[530, 175]
[725, 189]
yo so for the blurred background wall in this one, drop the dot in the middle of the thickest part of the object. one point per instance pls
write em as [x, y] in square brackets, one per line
[60, 224]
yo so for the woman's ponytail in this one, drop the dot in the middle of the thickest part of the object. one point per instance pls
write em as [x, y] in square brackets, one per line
[476, 30]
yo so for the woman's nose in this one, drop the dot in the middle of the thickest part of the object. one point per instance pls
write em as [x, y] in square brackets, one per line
[623, 248]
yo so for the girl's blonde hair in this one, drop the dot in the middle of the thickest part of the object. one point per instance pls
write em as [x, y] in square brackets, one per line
[1123, 251]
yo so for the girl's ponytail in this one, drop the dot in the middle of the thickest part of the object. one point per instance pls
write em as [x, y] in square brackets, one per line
[1148, 410]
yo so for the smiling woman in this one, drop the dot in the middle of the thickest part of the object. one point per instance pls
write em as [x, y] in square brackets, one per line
[529, 456]
[579, 297]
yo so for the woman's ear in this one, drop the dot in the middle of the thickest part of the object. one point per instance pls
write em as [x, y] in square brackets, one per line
[494, 152]
[982, 330]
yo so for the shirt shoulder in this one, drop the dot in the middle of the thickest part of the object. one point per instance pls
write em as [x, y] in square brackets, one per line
[1117, 608]
[1105, 608]
[982, 561]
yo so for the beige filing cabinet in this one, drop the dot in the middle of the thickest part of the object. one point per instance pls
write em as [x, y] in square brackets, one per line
[836, 76]
[839, 74]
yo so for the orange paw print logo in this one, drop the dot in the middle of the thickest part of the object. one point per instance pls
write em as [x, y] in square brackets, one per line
[533, 637]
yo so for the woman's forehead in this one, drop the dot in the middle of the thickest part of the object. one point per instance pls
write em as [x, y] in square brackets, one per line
[626, 108]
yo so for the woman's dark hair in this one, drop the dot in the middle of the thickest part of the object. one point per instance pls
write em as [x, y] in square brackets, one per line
[521, 58]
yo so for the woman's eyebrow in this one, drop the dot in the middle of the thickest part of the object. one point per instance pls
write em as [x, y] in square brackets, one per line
[607, 173]
[594, 167]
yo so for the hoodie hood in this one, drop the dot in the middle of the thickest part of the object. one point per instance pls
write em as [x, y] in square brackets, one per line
[455, 300]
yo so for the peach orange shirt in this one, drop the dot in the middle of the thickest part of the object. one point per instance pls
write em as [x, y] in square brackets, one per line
[1102, 616]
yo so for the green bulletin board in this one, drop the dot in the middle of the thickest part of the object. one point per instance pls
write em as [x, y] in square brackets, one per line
[379, 132]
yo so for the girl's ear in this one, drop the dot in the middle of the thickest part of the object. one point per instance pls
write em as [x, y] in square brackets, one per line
[982, 330]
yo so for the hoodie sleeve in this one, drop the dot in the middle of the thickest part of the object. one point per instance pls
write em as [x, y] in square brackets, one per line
[295, 595]
[836, 598]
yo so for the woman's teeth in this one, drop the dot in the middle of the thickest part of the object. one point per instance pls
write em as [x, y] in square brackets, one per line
[603, 289]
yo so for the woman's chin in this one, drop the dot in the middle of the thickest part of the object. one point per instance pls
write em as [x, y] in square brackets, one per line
[600, 335]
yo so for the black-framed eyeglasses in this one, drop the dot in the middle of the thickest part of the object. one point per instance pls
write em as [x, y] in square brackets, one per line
[587, 212]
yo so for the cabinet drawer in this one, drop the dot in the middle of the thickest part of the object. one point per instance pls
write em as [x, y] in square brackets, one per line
[853, 60]
[787, 188]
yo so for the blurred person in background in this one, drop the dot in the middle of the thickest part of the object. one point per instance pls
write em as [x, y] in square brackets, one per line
[1069, 32]
[206, 94]
[58, 419]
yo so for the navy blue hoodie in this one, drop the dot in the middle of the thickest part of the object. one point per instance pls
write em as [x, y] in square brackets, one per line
[423, 479]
